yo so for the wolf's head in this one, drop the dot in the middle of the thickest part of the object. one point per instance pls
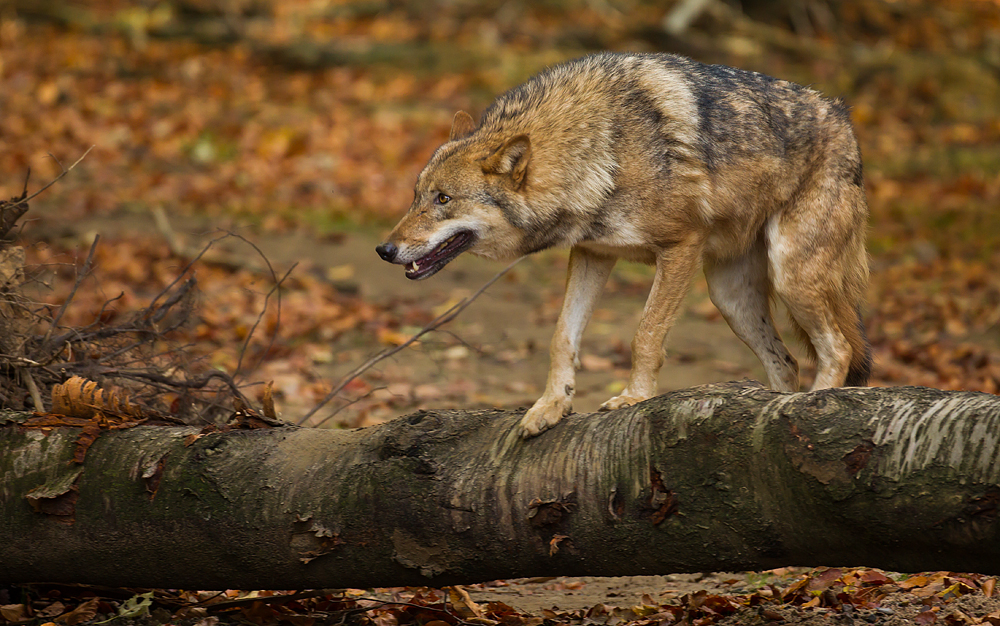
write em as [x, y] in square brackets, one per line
[465, 199]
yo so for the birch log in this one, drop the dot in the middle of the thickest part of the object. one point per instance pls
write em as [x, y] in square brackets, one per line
[714, 478]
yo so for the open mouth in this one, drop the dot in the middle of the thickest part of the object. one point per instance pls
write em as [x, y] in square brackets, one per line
[430, 264]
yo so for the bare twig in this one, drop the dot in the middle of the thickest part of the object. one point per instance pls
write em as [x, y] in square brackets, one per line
[437, 322]
[22, 360]
[274, 290]
[185, 269]
[163, 225]
[344, 406]
[57, 178]
[76, 285]
[11, 211]
[161, 311]
[36, 397]
[277, 325]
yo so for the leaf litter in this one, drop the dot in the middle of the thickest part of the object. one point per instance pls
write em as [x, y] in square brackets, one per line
[816, 596]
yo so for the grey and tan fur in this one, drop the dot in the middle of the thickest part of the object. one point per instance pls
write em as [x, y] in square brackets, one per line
[659, 159]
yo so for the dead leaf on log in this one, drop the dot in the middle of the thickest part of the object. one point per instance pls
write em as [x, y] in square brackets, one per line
[857, 459]
[193, 437]
[554, 544]
[663, 501]
[548, 513]
[57, 497]
[79, 397]
[153, 474]
[245, 418]
[87, 437]
[267, 401]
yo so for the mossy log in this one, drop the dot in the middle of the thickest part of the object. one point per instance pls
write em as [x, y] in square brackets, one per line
[714, 478]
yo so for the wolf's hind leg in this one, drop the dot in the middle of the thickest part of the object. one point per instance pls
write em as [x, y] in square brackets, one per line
[819, 269]
[740, 289]
[585, 281]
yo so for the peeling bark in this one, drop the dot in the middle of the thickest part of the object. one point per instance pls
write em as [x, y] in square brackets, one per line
[713, 478]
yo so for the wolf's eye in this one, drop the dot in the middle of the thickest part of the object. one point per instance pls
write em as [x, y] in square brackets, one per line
[442, 198]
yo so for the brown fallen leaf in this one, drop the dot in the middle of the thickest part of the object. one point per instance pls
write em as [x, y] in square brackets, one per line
[82, 613]
[13, 612]
[56, 608]
[463, 604]
[987, 586]
[771, 614]
[825, 579]
[874, 577]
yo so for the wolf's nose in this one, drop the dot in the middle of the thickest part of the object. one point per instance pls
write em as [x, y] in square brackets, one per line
[387, 251]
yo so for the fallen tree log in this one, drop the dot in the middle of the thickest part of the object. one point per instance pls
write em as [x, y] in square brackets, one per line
[714, 478]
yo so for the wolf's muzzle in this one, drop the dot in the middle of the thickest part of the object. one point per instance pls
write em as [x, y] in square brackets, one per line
[387, 251]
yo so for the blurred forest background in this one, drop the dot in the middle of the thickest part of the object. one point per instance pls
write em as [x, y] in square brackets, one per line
[306, 121]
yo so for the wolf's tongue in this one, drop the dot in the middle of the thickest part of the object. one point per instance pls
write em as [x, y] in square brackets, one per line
[432, 262]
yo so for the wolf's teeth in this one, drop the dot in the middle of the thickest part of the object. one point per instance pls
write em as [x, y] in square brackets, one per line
[413, 266]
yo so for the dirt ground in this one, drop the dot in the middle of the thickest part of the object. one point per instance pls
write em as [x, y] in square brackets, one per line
[591, 600]
[533, 595]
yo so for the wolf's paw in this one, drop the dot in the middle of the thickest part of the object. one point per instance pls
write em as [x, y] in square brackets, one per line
[545, 414]
[620, 402]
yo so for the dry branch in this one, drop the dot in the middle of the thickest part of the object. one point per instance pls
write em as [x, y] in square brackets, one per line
[136, 353]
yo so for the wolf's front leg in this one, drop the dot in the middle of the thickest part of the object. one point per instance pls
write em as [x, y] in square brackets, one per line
[588, 273]
[674, 267]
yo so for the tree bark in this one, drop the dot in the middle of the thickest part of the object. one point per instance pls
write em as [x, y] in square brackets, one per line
[714, 478]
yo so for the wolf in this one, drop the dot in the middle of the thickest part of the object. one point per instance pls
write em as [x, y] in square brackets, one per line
[659, 159]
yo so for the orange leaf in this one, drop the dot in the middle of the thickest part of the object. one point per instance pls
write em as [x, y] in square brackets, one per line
[875, 577]
[914, 581]
[988, 586]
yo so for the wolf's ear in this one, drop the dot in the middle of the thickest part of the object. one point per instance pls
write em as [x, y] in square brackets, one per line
[511, 158]
[461, 126]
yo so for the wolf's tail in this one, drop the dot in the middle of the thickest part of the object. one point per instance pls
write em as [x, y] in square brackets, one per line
[861, 354]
